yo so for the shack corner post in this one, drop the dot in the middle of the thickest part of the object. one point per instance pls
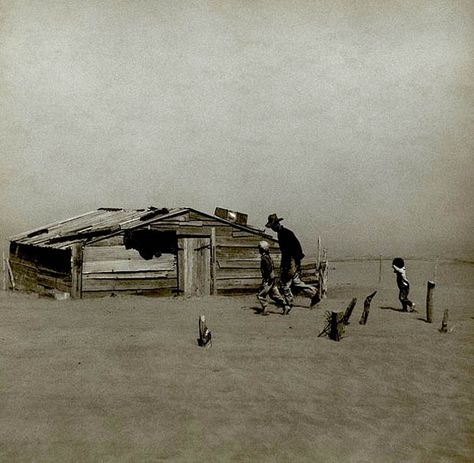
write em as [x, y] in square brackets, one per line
[8, 277]
[76, 270]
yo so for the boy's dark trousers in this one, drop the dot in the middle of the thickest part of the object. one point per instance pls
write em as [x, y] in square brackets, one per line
[403, 296]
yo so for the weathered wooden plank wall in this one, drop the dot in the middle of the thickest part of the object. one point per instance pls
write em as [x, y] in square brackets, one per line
[34, 270]
[110, 269]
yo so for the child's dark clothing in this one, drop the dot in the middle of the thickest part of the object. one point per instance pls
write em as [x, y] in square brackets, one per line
[404, 287]
[268, 287]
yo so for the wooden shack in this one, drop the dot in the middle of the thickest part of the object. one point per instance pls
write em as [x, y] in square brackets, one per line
[154, 251]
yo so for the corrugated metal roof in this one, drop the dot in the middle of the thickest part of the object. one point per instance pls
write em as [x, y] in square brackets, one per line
[103, 221]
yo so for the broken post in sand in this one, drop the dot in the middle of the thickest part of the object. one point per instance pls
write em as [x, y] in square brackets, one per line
[429, 301]
[365, 313]
[444, 323]
[334, 327]
[348, 312]
[337, 326]
[204, 333]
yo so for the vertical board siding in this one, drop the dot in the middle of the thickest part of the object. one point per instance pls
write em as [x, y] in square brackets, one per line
[194, 266]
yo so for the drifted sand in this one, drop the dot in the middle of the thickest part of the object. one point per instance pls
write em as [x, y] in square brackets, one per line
[122, 379]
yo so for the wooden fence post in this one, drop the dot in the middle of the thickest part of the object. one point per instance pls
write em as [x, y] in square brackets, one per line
[348, 312]
[324, 268]
[380, 268]
[365, 313]
[76, 271]
[429, 301]
[213, 262]
[337, 326]
[319, 253]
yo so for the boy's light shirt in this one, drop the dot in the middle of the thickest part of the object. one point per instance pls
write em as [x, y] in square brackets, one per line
[401, 272]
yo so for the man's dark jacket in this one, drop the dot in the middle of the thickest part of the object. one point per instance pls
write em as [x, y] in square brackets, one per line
[290, 247]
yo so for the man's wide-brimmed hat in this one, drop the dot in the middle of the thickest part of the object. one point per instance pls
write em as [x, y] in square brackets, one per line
[272, 220]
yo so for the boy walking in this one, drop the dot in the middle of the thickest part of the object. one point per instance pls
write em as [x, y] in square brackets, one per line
[268, 287]
[398, 266]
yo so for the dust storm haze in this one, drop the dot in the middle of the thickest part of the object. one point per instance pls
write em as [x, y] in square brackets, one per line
[352, 121]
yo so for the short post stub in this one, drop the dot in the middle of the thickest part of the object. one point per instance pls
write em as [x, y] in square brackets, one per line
[444, 323]
[205, 337]
[429, 301]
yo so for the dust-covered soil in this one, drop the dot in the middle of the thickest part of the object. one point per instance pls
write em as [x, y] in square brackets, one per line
[123, 379]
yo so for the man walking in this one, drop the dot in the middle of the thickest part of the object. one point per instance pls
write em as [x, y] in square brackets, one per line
[290, 267]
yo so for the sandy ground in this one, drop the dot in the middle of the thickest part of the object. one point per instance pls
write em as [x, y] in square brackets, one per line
[123, 380]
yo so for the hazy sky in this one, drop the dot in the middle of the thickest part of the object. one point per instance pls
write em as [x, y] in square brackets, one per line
[351, 119]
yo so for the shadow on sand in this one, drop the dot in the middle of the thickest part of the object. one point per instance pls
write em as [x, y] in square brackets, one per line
[270, 310]
[391, 308]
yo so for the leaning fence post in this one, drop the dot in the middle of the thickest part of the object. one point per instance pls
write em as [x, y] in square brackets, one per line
[429, 301]
[348, 313]
[365, 313]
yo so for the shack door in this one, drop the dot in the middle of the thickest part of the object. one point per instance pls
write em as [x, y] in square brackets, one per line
[194, 265]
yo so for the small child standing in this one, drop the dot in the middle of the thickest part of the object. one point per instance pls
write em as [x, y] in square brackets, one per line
[268, 286]
[398, 266]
